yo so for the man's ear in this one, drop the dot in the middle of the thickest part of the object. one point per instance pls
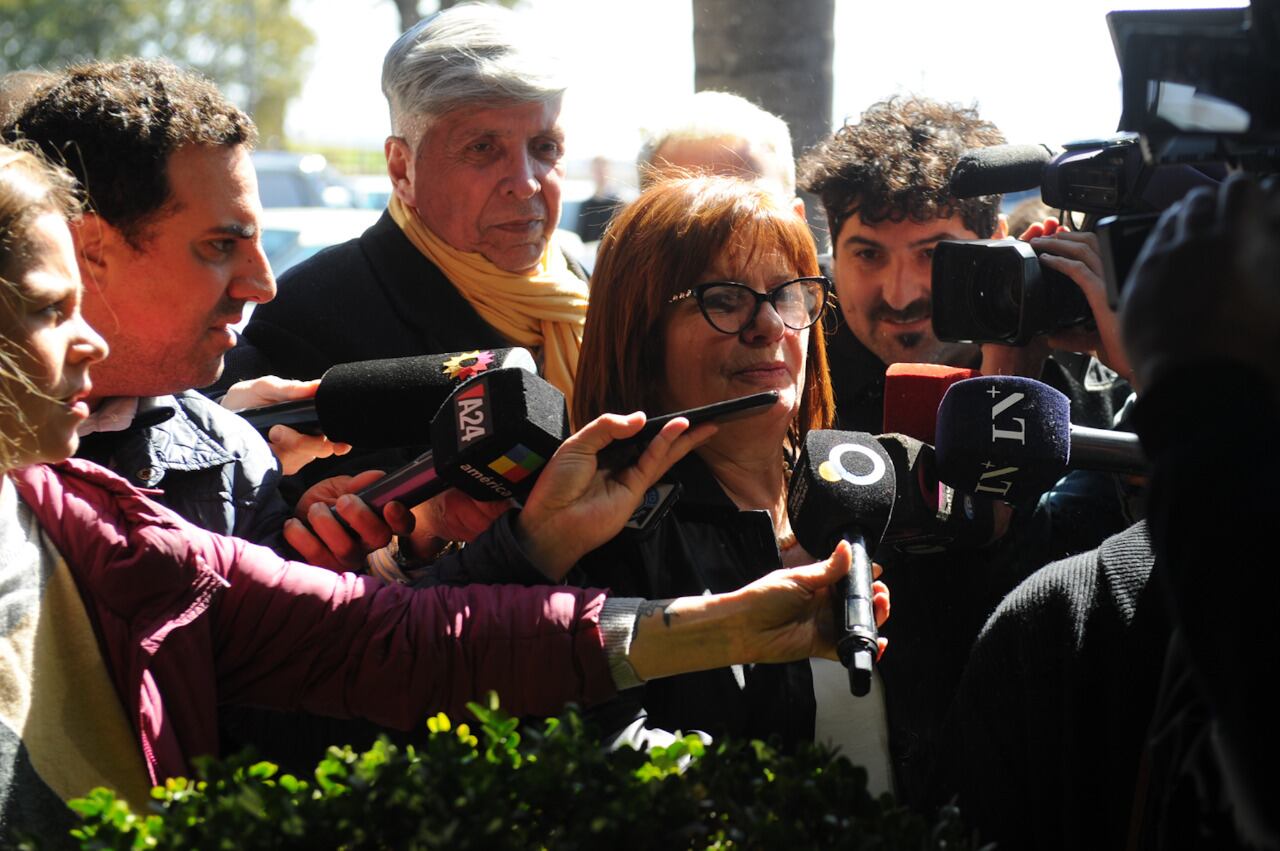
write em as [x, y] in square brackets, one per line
[1002, 227]
[95, 242]
[400, 168]
[797, 206]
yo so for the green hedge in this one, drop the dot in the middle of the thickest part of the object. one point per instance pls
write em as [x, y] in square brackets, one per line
[494, 786]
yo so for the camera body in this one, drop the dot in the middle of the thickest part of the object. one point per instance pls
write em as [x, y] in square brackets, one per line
[996, 291]
[1198, 96]
[1100, 176]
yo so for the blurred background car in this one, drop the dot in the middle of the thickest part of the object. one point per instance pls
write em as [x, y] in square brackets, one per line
[292, 234]
[287, 179]
[373, 191]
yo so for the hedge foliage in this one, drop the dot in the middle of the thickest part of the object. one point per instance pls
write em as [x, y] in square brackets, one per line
[494, 785]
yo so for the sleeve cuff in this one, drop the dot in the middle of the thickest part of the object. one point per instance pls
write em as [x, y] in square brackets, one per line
[617, 622]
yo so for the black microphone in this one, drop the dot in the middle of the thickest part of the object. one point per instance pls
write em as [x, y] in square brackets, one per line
[492, 436]
[929, 515]
[490, 439]
[999, 169]
[379, 404]
[1012, 438]
[843, 488]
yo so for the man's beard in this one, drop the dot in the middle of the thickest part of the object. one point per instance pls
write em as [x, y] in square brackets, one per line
[915, 346]
[885, 318]
[909, 341]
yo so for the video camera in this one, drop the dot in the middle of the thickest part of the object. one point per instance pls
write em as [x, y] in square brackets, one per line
[1198, 99]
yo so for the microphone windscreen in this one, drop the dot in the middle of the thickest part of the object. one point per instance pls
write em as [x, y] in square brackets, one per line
[999, 169]
[495, 433]
[912, 503]
[1003, 436]
[377, 404]
[912, 393]
[930, 515]
[843, 481]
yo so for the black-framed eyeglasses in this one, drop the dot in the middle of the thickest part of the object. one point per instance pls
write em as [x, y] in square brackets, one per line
[730, 307]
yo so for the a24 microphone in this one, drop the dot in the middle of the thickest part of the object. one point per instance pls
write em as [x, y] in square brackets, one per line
[490, 439]
[379, 404]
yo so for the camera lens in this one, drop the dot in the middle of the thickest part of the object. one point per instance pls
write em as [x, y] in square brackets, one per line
[996, 297]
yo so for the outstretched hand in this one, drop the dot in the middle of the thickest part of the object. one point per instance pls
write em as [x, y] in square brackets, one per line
[782, 617]
[576, 506]
[789, 611]
[294, 449]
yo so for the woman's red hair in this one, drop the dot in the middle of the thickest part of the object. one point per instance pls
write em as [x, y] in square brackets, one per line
[662, 244]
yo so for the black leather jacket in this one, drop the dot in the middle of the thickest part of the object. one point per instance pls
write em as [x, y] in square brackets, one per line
[705, 545]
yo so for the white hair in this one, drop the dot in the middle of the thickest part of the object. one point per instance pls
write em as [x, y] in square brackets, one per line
[473, 53]
[708, 116]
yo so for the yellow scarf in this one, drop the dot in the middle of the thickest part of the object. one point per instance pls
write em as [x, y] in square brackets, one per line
[545, 309]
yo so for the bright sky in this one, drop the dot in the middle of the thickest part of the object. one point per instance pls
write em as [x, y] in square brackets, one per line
[1043, 72]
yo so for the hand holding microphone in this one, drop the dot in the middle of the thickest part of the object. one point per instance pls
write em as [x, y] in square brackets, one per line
[378, 404]
[843, 488]
[294, 449]
[490, 440]
[336, 529]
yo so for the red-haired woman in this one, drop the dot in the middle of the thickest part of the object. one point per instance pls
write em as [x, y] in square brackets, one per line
[705, 289]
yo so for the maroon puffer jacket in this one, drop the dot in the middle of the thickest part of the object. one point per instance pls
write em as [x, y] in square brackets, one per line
[187, 619]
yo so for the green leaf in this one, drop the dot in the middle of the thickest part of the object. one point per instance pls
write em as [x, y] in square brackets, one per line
[548, 785]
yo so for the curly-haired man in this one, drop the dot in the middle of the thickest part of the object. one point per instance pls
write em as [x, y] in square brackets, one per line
[884, 184]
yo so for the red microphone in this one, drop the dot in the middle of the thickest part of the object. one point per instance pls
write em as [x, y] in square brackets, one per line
[912, 393]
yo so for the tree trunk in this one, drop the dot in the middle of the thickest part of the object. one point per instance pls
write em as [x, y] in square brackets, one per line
[776, 55]
[408, 10]
[409, 14]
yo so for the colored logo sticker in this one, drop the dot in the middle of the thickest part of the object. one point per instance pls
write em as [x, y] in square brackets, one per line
[834, 469]
[517, 463]
[466, 365]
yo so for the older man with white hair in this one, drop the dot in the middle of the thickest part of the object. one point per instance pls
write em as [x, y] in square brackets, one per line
[466, 256]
